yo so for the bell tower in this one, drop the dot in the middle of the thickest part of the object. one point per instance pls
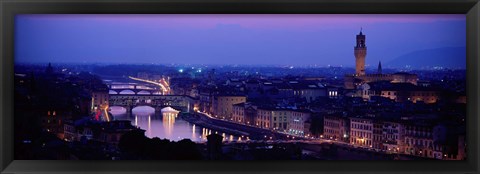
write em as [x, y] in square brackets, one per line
[379, 70]
[360, 53]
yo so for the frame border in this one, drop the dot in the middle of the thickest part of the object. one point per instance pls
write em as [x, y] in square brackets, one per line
[9, 8]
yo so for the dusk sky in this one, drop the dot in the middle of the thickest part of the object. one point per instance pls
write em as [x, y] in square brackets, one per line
[230, 39]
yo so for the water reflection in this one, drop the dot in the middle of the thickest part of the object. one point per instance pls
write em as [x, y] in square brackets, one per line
[149, 126]
[136, 120]
[167, 125]
[169, 115]
[168, 122]
[194, 134]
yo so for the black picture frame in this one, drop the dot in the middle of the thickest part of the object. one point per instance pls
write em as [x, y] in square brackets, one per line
[9, 8]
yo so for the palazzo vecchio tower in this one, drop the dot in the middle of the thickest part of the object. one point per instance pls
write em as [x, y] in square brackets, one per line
[353, 81]
[360, 53]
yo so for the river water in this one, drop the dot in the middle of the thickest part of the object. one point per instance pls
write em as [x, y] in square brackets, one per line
[165, 125]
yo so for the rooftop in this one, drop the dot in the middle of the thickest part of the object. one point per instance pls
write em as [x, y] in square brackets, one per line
[383, 85]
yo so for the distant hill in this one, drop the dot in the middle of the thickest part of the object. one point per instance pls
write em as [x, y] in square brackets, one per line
[449, 57]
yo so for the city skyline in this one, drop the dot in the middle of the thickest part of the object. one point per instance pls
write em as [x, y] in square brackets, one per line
[93, 87]
[297, 40]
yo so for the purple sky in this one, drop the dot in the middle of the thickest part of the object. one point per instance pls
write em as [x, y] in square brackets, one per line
[230, 39]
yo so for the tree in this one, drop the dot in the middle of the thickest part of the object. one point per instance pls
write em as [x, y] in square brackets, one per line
[133, 142]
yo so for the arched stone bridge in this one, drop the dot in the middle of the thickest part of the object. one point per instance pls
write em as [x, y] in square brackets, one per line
[135, 88]
[129, 101]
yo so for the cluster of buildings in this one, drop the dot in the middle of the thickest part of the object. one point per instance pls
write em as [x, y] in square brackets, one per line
[56, 98]
[107, 132]
[400, 86]
[277, 104]
[374, 122]
[423, 138]
[291, 121]
[288, 105]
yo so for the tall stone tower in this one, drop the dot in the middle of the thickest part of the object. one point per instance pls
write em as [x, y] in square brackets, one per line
[360, 53]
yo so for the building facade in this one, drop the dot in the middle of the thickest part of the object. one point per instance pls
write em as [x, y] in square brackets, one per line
[378, 135]
[244, 113]
[239, 112]
[296, 124]
[100, 99]
[419, 141]
[361, 131]
[393, 137]
[336, 127]
[290, 121]
[223, 105]
[399, 92]
[263, 118]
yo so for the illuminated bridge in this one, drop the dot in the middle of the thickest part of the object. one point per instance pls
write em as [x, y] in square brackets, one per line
[183, 103]
[122, 88]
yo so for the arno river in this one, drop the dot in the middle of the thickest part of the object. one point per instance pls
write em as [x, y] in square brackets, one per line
[167, 126]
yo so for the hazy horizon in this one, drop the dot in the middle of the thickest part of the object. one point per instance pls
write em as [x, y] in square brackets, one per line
[264, 40]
